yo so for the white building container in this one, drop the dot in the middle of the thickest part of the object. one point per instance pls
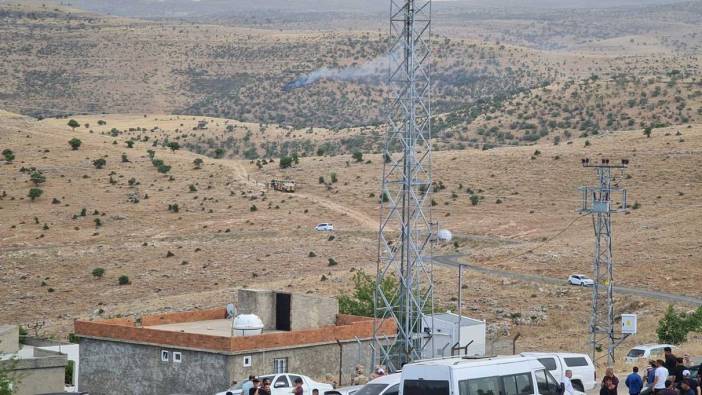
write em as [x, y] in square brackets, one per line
[446, 335]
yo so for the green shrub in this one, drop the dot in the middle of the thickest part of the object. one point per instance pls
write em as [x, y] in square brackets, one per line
[98, 272]
[358, 156]
[332, 262]
[99, 163]
[123, 280]
[474, 200]
[8, 154]
[333, 178]
[35, 193]
[74, 143]
[73, 124]
[360, 302]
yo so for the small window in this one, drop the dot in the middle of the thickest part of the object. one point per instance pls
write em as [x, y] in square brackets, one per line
[247, 361]
[481, 386]
[293, 378]
[164, 356]
[518, 384]
[280, 365]
[281, 382]
[575, 362]
[549, 363]
[177, 357]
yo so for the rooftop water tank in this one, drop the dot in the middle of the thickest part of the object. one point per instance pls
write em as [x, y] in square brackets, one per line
[444, 235]
[247, 325]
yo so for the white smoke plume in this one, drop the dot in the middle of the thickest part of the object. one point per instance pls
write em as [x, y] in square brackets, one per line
[374, 67]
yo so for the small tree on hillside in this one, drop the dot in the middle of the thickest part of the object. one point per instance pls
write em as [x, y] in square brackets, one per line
[99, 163]
[358, 156]
[35, 193]
[73, 124]
[8, 154]
[198, 163]
[173, 146]
[74, 143]
[37, 178]
[286, 162]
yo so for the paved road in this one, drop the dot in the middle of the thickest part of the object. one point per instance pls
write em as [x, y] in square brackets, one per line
[454, 260]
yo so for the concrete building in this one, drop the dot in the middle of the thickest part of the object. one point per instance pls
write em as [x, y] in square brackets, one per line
[32, 370]
[70, 350]
[469, 340]
[196, 353]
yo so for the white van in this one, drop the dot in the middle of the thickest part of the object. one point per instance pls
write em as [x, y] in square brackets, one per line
[513, 375]
[584, 375]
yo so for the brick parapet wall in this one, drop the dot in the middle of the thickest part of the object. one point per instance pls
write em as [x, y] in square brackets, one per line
[348, 327]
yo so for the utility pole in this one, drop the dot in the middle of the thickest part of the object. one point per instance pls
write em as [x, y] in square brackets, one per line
[601, 201]
[405, 216]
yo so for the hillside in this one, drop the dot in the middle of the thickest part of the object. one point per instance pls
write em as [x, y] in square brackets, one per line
[215, 240]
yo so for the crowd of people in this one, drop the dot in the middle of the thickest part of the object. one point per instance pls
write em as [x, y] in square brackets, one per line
[669, 376]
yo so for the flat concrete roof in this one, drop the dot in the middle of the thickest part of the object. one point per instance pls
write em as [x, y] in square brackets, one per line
[222, 327]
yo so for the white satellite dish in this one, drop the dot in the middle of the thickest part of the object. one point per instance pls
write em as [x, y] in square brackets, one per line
[444, 235]
[231, 311]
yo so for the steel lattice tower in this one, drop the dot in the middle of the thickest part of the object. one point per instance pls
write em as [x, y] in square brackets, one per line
[598, 202]
[405, 215]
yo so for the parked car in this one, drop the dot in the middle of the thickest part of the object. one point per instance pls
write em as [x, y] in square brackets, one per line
[579, 279]
[646, 352]
[385, 385]
[498, 375]
[324, 227]
[584, 376]
[282, 384]
[344, 390]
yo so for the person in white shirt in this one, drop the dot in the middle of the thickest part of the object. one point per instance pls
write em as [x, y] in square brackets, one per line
[567, 385]
[661, 375]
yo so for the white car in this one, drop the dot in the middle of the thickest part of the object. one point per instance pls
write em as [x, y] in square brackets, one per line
[324, 227]
[352, 390]
[579, 279]
[579, 364]
[282, 384]
[646, 352]
[385, 385]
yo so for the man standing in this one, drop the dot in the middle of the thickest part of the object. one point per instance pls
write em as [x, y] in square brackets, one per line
[686, 389]
[694, 384]
[248, 384]
[670, 359]
[661, 376]
[609, 374]
[567, 385]
[298, 387]
[634, 382]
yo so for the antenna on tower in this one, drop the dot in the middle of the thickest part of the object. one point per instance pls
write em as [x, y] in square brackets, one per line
[601, 201]
[405, 216]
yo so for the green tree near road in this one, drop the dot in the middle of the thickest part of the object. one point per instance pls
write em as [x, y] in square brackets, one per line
[674, 326]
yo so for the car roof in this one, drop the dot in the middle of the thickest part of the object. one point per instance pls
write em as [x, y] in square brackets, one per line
[387, 379]
[649, 346]
[551, 354]
[467, 362]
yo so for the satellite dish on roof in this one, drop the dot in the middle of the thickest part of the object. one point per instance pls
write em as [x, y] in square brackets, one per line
[231, 311]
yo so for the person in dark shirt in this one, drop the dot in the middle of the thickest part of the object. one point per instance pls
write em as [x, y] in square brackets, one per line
[669, 388]
[608, 387]
[263, 389]
[670, 359]
[678, 372]
[694, 384]
[685, 388]
[609, 374]
[298, 387]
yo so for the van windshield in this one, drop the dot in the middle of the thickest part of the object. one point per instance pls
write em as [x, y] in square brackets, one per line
[371, 389]
[635, 353]
[423, 387]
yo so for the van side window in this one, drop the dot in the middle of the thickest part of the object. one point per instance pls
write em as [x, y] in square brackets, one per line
[549, 363]
[547, 385]
[575, 362]
[482, 386]
[518, 384]
[423, 387]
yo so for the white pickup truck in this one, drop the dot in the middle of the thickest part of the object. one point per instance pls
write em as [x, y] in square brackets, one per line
[282, 384]
[584, 376]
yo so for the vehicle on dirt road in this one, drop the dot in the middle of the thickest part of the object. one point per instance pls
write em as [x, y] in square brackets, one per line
[282, 384]
[324, 227]
[646, 352]
[579, 279]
